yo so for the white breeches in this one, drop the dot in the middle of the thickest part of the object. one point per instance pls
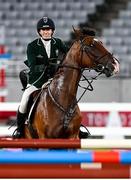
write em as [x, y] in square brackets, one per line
[25, 98]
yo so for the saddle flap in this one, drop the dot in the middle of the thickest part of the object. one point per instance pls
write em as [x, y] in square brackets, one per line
[32, 104]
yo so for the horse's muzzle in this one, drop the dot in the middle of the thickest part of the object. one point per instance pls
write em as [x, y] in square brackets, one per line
[105, 70]
[108, 72]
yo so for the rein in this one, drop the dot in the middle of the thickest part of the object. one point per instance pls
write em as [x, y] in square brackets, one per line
[89, 87]
[68, 113]
[51, 95]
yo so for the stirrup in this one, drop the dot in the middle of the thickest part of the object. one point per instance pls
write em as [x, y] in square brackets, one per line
[16, 134]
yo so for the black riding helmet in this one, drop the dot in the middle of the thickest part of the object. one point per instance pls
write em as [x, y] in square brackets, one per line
[45, 23]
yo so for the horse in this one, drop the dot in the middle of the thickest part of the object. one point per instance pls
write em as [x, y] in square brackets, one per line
[57, 114]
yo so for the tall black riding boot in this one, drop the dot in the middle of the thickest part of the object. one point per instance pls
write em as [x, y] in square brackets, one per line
[19, 132]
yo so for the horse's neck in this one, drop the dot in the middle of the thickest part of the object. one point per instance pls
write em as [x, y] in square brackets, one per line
[64, 88]
[65, 84]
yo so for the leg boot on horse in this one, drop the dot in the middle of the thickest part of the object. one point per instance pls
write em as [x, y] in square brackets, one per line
[19, 132]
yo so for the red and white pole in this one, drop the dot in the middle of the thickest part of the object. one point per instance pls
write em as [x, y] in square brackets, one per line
[2, 84]
[2, 76]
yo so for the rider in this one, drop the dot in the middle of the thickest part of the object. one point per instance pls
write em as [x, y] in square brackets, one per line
[40, 52]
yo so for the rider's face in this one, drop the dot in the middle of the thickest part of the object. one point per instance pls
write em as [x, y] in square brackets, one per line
[46, 33]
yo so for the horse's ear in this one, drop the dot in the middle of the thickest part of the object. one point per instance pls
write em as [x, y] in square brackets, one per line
[76, 31]
[73, 29]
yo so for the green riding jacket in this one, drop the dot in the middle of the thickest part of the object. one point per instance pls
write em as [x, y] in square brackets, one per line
[38, 61]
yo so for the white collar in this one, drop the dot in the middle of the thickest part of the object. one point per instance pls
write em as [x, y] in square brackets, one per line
[45, 42]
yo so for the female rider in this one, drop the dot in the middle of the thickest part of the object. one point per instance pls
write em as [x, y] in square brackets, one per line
[39, 52]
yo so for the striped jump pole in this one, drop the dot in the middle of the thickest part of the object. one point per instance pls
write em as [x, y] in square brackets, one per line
[64, 156]
[66, 143]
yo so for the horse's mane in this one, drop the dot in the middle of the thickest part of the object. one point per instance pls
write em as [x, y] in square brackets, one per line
[83, 32]
[88, 31]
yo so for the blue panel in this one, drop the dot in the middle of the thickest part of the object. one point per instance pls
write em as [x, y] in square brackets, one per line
[54, 156]
[5, 56]
[125, 157]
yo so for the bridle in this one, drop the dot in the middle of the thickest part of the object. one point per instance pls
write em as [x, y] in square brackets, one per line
[96, 60]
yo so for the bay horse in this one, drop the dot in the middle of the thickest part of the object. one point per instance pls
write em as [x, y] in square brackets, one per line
[57, 114]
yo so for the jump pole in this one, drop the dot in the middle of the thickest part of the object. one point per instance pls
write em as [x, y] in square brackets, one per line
[49, 171]
[64, 157]
[66, 143]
